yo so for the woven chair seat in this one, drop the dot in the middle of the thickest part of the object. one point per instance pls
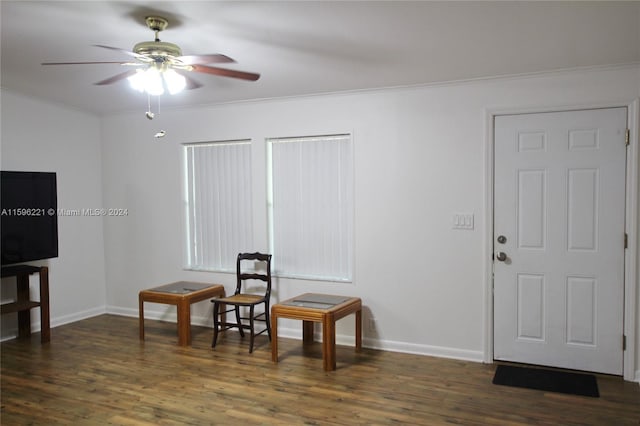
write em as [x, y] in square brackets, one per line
[248, 299]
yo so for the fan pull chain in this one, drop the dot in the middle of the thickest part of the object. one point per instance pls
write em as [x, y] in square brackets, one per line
[149, 113]
[161, 133]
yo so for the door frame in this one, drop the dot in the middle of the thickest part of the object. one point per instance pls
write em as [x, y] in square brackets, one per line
[631, 372]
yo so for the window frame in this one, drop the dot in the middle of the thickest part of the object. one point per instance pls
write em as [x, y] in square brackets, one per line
[226, 261]
[350, 214]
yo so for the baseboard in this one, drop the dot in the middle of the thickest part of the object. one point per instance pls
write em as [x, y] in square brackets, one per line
[169, 315]
[296, 333]
[13, 334]
[66, 319]
[637, 380]
[36, 326]
[126, 312]
[392, 346]
[427, 350]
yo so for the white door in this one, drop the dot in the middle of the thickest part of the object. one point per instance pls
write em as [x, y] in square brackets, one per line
[559, 189]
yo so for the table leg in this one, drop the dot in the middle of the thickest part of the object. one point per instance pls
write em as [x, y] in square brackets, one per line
[141, 315]
[45, 325]
[358, 330]
[307, 332]
[184, 323]
[274, 336]
[24, 317]
[329, 343]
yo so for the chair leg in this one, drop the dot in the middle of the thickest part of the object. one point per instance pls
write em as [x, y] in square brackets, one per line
[251, 328]
[268, 318]
[215, 325]
[238, 321]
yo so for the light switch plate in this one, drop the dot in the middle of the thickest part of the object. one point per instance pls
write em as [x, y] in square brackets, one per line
[462, 221]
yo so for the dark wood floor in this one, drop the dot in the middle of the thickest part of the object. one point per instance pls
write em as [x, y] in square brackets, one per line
[97, 372]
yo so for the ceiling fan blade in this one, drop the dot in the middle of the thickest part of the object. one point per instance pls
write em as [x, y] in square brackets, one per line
[84, 63]
[225, 72]
[126, 52]
[213, 58]
[116, 78]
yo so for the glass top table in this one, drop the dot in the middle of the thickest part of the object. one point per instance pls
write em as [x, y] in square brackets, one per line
[322, 308]
[182, 294]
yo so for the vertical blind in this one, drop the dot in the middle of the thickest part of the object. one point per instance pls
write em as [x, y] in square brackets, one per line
[311, 216]
[218, 203]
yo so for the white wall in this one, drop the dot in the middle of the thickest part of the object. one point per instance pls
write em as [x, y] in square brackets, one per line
[419, 157]
[37, 136]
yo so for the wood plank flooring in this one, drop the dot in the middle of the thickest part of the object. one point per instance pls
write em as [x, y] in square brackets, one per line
[97, 372]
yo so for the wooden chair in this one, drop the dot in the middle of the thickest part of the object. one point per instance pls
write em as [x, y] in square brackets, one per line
[242, 298]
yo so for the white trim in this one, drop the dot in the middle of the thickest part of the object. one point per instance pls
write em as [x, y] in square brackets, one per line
[168, 314]
[631, 198]
[130, 312]
[426, 350]
[57, 321]
[488, 238]
[341, 339]
[77, 316]
[392, 346]
[383, 89]
[631, 254]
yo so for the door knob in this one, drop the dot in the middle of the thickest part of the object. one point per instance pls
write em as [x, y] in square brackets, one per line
[501, 256]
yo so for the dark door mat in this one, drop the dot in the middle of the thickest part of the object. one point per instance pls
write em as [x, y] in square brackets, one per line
[547, 380]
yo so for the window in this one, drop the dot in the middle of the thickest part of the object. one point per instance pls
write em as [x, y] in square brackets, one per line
[311, 207]
[218, 204]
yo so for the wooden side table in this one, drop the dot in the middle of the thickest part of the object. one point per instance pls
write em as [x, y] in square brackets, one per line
[322, 308]
[24, 303]
[182, 294]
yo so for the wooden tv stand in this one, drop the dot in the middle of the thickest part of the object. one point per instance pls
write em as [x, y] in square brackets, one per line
[24, 304]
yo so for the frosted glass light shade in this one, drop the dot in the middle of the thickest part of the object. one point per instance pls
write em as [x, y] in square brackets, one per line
[153, 81]
[174, 81]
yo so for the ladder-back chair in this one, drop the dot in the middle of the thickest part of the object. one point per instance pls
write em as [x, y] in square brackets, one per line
[242, 298]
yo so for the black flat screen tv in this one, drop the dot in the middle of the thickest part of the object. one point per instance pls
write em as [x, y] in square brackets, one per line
[29, 223]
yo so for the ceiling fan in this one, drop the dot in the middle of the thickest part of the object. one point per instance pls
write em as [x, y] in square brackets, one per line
[160, 64]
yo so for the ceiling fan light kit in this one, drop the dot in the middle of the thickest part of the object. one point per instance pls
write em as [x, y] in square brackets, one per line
[154, 79]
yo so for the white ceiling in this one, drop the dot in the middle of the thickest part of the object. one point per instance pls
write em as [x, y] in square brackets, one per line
[307, 47]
